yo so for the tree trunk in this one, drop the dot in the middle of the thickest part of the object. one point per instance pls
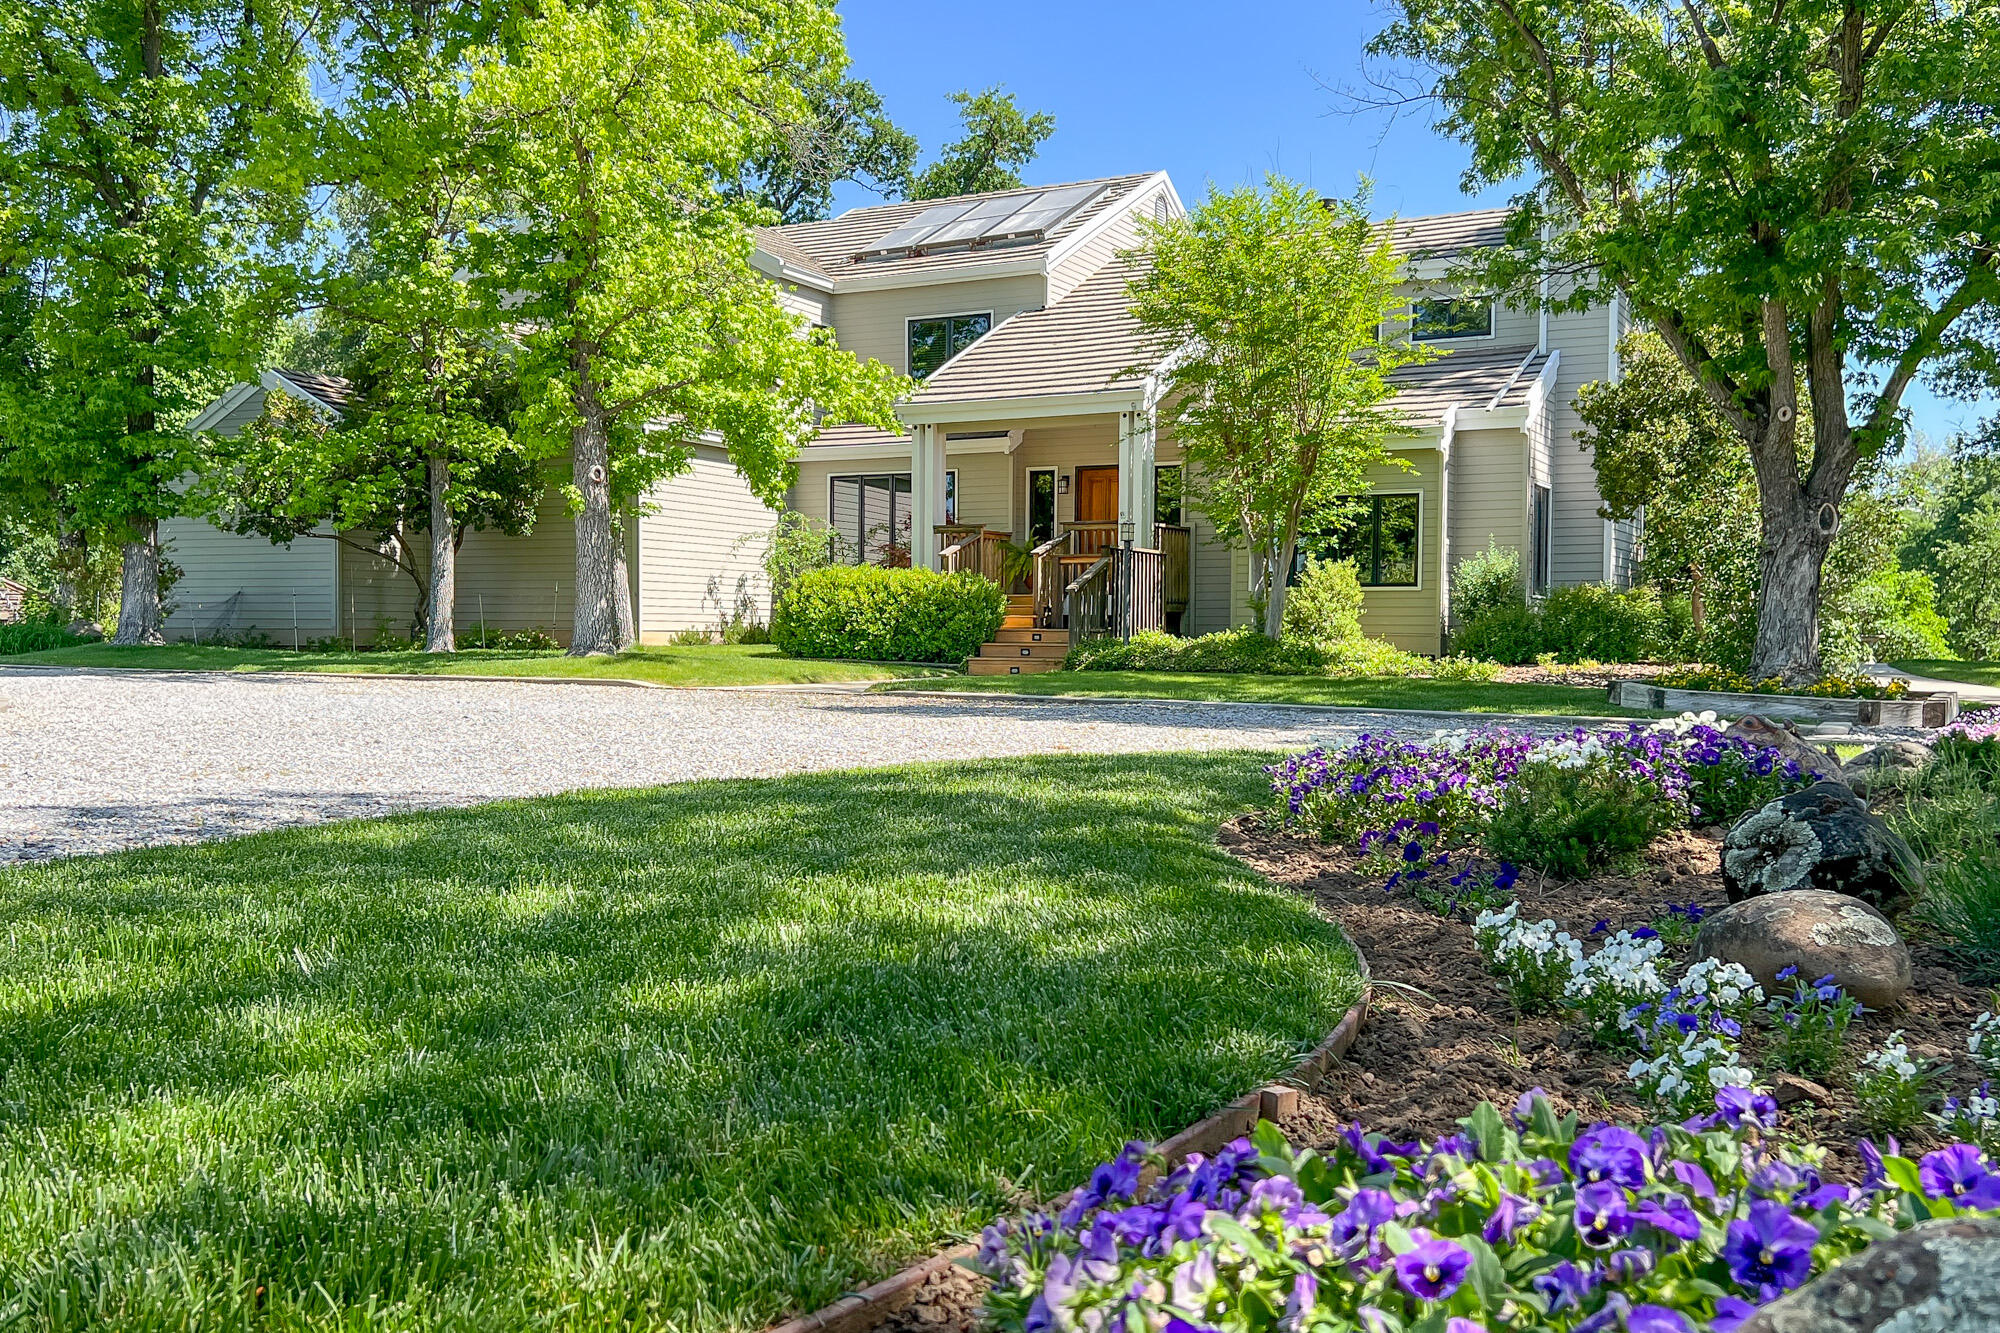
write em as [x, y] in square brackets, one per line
[139, 587]
[1278, 581]
[1790, 561]
[439, 635]
[621, 589]
[72, 568]
[595, 629]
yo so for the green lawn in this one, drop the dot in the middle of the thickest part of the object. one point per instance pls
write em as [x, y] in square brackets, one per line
[712, 664]
[1971, 673]
[1368, 692]
[684, 1059]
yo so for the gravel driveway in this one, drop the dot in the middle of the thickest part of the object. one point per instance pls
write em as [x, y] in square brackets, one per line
[100, 761]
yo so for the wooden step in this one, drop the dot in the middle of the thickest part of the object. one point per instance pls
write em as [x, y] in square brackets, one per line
[1020, 599]
[1017, 666]
[1016, 622]
[1019, 651]
[1032, 634]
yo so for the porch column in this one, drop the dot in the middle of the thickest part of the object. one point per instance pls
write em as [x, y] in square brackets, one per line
[1135, 475]
[926, 495]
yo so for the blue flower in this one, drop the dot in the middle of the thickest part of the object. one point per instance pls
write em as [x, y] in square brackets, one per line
[1611, 1153]
[1602, 1215]
[1770, 1252]
[1413, 852]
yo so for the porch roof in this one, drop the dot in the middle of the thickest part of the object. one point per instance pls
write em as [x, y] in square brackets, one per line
[1489, 378]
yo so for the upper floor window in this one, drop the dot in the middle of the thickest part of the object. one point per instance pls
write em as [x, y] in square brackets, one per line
[936, 341]
[1444, 319]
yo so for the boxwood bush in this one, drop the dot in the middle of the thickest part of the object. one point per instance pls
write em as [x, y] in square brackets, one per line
[886, 615]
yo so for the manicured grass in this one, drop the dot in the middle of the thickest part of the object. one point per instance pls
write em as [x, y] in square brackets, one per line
[711, 664]
[1364, 692]
[1971, 673]
[683, 1059]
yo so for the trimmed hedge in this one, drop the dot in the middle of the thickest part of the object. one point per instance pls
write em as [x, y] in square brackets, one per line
[872, 614]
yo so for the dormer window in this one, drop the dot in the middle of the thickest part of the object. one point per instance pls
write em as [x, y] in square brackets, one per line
[932, 342]
[1451, 318]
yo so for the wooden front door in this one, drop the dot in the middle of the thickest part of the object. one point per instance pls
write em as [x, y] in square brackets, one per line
[1097, 495]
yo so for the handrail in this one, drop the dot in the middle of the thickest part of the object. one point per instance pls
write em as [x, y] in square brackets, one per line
[1045, 575]
[1087, 575]
[1087, 600]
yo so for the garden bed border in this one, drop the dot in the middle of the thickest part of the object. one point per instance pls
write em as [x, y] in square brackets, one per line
[1926, 711]
[868, 1307]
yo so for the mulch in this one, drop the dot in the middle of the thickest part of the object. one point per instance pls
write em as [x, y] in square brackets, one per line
[1441, 1037]
[1597, 677]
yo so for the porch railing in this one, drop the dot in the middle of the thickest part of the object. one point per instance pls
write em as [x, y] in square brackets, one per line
[1046, 578]
[1175, 544]
[1092, 538]
[979, 550]
[1118, 596]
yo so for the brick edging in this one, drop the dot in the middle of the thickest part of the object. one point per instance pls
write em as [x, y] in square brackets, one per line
[868, 1307]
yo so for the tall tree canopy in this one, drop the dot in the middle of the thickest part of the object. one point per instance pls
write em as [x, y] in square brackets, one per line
[842, 134]
[1794, 193]
[135, 152]
[998, 140]
[646, 327]
[1269, 310]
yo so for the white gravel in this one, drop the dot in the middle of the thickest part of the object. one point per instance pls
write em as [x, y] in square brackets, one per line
[102, 761]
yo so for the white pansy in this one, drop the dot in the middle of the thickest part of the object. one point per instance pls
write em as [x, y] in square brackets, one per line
[1724, 985]
[1892, 1059]
[1984, 1044]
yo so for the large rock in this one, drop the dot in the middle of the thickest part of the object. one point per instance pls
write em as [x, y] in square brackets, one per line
[1816, 932]
[1940, 1277]
[1822, 837]
[1784, 737]
[1878, 766]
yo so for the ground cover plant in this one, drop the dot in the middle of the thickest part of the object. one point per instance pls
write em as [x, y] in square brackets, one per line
[886, 615]
[685, 1059]
[680, 664]
[1247, 650]
[1401, 692]
[1515, 1218]
[1826, 687]
[1949, 814]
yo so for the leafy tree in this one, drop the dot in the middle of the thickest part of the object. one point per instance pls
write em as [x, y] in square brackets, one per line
[1956, 540]
[1660, 447]
[362, 481]
[1268, 309]
[135, 157]
[407, 294]
[1785, 193]
[646, 327]
[843, 134]
[997, 142]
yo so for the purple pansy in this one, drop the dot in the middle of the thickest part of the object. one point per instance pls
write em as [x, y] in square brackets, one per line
[1656, 1319]
[1769, 1252]
[1433, 1270]
[1960, 1173]
[1609, 1153]
[1672, 1214]
[1565, 1286]
[1603, 1216]
[1730, 1314]
[1513, 1213]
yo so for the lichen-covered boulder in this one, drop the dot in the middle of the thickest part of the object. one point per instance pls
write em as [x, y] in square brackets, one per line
[1818, 933]
[1939, 1277]
[1784, 737]
[1878, 766]
[1822, 837]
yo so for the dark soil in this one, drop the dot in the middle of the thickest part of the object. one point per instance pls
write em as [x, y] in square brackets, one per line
[1597, 677]
[1441, 1037]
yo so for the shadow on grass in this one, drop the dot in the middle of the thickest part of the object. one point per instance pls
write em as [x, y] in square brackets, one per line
[707, 1053]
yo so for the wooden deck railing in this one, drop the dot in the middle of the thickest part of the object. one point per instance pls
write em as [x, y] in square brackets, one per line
[1176, 546]
[1092, 538]
[1117, 596]
[978, 550]
[1046, 578]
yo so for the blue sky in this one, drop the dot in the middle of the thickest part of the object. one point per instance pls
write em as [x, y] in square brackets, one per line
[1208, 92]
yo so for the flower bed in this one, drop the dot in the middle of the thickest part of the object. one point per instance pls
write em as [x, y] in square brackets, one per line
[1508, 1221]
[1716, 680]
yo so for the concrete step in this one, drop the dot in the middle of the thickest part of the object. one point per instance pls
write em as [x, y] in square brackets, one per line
[1017, 666]
[1018, 651]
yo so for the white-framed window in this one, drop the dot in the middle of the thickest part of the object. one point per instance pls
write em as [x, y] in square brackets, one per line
[1436, 319]
[932, 340]
[870, 514]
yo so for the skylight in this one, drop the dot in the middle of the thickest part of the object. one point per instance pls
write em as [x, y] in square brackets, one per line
[982, 222]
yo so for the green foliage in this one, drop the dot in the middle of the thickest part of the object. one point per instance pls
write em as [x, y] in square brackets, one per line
[1510, 633]
[998, 140]
[1832, 686]
[798, 544]
[1599, 622]
[1246, 650]
[36, 636]
[1275, 309]
[1890, 614]
[1571, 822]
[887, 615]
[1324, 606]
[1955, 538]
[1484, 581]
[1949, 814]
[841, 134]
[1644, 126]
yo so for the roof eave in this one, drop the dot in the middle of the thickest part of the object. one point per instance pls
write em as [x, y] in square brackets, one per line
[1132, 396]
[784, 270]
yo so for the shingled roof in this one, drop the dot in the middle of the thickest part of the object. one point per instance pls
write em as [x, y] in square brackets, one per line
[1441, 235]
[1469, 378]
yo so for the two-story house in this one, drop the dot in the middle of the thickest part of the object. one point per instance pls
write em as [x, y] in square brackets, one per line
[1034, 425]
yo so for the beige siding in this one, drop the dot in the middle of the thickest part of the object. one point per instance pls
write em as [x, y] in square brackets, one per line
[235, 585]
[1577, 539]
[702, 537]
[1489, 492]
[811, 306]
[873, 324]
[1121, 233]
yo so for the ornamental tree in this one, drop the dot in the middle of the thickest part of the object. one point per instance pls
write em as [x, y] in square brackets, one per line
[1786, 194]
[133, 151]
[645, 326]
[1267, 310]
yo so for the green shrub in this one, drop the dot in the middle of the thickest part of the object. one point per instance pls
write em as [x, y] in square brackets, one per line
[1510, 633]
[1596, 620]
[36, 636]
[1245, 651]
[1949, 814]
[1573, 821]
[886, 615]
[1324, 606]
[1487, 580]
